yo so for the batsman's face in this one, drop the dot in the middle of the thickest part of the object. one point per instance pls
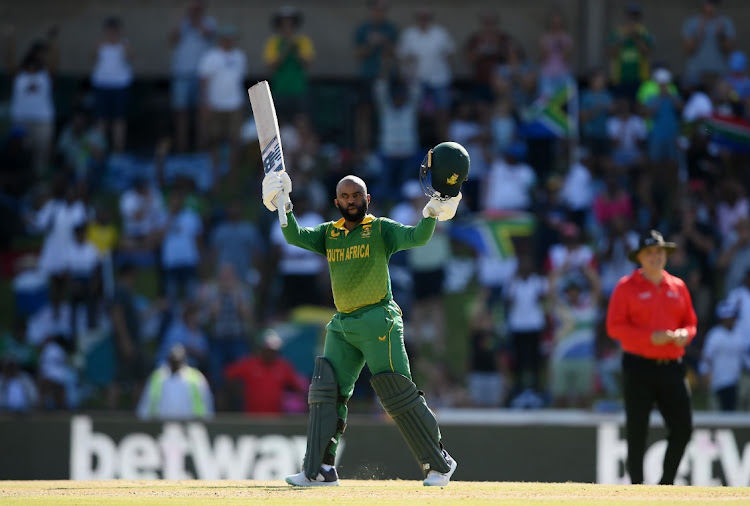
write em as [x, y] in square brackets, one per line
[352, 200]
[653, 258]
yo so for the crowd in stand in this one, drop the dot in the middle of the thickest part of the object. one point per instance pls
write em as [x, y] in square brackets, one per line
[156, 279]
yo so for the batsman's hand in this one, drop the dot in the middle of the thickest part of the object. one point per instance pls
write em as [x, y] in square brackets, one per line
[443, 210]
[273, 184]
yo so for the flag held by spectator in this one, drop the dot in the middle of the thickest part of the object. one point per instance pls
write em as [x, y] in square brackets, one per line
[554, 115]
[493, 235]
[730, 132]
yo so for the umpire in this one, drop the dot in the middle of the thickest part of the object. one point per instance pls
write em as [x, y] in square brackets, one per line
[651, 314]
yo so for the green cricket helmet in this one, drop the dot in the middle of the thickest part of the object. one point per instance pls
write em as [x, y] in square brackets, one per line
[443, 170]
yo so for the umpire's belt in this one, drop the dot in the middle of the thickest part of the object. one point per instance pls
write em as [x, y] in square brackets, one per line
[651, 361]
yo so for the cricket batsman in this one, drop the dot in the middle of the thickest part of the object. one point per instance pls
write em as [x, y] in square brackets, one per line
[368, 326]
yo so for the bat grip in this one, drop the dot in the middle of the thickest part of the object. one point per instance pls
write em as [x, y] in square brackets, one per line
[281, 208]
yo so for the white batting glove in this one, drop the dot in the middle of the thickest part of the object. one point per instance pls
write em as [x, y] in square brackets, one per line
[443, 210]
[273, 184]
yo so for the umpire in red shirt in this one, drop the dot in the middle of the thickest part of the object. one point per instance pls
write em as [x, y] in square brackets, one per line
[651, 314]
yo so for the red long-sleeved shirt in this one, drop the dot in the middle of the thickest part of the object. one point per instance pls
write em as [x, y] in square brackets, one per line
[264, 382]
[638, 308]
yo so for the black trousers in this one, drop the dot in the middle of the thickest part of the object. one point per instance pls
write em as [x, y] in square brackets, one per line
[647, 382]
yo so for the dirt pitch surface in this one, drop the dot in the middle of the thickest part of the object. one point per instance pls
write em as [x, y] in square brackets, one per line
[354, 492]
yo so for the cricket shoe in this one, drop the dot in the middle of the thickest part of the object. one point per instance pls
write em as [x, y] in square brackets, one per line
[324, 479]
[436, 479]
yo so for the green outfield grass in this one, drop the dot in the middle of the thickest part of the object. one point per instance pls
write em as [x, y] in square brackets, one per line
[354, 492]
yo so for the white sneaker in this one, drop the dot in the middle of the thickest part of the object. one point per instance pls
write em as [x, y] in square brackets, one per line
[324, 479]
[436, 479]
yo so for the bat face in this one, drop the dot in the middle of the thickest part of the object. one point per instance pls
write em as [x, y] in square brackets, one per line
[273, 160]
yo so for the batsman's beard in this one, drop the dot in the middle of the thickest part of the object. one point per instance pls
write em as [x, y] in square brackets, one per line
[353, 216]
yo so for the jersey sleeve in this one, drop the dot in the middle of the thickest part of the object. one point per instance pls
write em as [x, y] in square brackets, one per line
[309, 238]
[398, 237]
[619, 324]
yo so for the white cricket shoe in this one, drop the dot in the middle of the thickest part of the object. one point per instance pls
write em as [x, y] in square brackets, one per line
[324, 479]
[436, 479]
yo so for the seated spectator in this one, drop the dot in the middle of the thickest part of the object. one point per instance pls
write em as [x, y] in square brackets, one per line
[14, 346]
[723, 355]
[185, 331]
[54, 319]
[18, 391]
[102, 232]
[56, 375]
[83, 147]
[596, 107]
[626, 131]
[176, 391]
[266, 378]
[510, 181]
[236, 241]
[85, 275]
[143, 213]
[572, 358]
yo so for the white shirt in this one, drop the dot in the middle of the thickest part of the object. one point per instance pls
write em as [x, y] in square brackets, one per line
[723, 353]
[399, 132]
[560, 255]
[179, 248]
[526, 313]
[577, 191]
[431, 49]
[191, 46]
[224, 72]
[153, 212]
[698, 106]
[739, 297]
[629, 131]
[32, 97]
[294, 260]
[508, 186]
[47, 322]
[175, 402]
[58, 218]
[82, 258]
[112, 69]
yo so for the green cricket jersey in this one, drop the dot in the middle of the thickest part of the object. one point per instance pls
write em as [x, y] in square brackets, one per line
[358, 260]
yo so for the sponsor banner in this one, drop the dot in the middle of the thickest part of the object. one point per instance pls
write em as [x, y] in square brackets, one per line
[489, 446]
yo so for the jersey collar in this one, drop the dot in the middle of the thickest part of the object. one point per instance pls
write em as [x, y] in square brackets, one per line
[367, 219]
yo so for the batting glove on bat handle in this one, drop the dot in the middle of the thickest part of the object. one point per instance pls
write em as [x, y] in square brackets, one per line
[275, 184]
[443, 210]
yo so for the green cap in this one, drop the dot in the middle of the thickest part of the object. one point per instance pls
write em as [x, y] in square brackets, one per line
[443, 170]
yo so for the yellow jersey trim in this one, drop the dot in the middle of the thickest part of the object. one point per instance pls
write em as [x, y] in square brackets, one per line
[367, 219]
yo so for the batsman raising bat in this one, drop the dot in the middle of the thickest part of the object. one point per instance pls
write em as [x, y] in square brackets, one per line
[368, 327]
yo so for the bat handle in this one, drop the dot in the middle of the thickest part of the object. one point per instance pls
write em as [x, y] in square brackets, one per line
[281, 208]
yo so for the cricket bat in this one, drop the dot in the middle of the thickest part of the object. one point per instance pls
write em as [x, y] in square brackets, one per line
[268, 136]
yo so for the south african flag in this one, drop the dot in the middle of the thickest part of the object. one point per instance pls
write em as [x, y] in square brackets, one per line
[555, 115]
[730, 132]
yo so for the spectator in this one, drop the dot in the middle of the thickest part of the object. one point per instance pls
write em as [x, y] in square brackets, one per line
[18, 392]
[83, 148]
[572, 253]
[176, 391]
[374, 44]
[143, 214]
[222, 70]
[630, 47]
[236, 241]
[733, 205]
[102, 232]
[596, 107]
[556, 48]
[288, 53]
[510, 181]
[613, 202]
[734, 260]
[708, 38]
[185, 331]
[128, 343]
[111, 79]
[738, 78]
[180, 249]
[265, 378]
[428, 49]
[525, 295]
[722, 359]
[616, 242]
[503, 127]
[14, 346]
[84, 267]
[31, 103]
[53, 319]
[189, 41]
[485, 49]
[626, 132]
[398, 105]
[577, 192]
[573, 358]
[487, 363]
[231, 320]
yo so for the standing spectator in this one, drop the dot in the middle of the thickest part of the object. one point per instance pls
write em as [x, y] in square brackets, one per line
[176, 391]
[487, 362]
[231, 320]
[630, 47]
[734, 260]
[111, 79]
[616, 242]
[510, 181]
[572, 253]
[651, 315]
[236, 241]
[143, 214]
[596, 107]
[83, 148]
[84, 266]
[626, 131]
[707, 37]
[723, 355]
[222, 70]
[265, 378]
[181, 249]
[428, 48]
[31, 103]
[128, 340]
[556, 48]
[288, 54]
[18, 392]
[485, 49]
[577, 192]
[374, 44]
[185, 331]
[526, 321]
[614, 201]
[573, 358]
[732, 206]
[189, 40]
[737, 77]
